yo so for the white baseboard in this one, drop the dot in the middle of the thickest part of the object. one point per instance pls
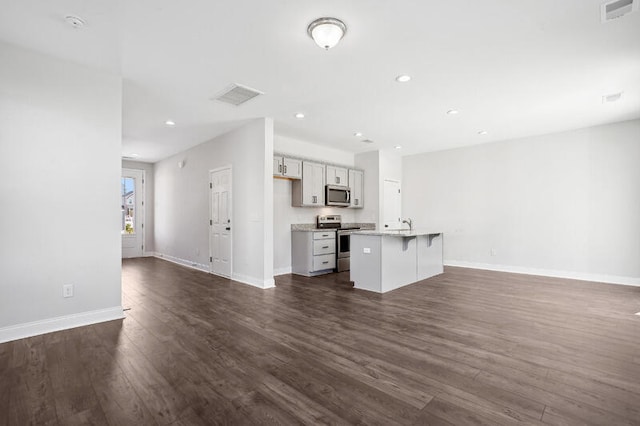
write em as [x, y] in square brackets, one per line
[149, 254]
[600, 278]
[183, 262]
[282, 271]
[35, 328]
[245, 279]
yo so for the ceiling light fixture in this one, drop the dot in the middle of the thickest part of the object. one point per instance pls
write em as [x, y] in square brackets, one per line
[357, 134]
[398, 147]
[170, 123]
[452, 111]
[74, 21]
[483, 132]
[299, 115]
[403, 78]
[326, 32]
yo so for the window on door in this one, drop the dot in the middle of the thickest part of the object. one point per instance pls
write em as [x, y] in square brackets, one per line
[128, 186]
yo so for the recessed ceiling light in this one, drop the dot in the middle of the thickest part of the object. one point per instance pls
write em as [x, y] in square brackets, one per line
[170, 123]
[135, 155]
[398, 147]
[403, 78]
[74, 21]
[452, 111]
[483, 132]
[299, 115]
[357, 134]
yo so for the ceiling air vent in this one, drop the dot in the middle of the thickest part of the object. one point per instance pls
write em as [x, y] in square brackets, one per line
[617, 8]
[237, 94]
[611, 98]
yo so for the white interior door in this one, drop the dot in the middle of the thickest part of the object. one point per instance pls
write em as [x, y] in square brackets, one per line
[132, 221]
[392, 205]
[220, 222]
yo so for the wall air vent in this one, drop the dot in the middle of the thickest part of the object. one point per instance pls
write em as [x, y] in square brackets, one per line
[617, 9]
[237, 94]
[367, 141]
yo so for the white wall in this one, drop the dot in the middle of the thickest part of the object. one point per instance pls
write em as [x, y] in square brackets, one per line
[60, 130]
[565, 204]
[379, 166]
[182, 202]
[284, 214]
[148, 202]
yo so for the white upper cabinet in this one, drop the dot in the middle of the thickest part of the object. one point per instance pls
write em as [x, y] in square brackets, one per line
[287, 167]
[309, 192]
[337, 176]
[356, 183]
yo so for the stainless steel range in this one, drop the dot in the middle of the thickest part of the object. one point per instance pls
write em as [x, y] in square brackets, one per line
[343, 239]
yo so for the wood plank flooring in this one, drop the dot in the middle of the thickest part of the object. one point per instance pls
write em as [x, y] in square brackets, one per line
[467, 347]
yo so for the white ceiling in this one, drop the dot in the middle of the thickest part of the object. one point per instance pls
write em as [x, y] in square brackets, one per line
[513, 68]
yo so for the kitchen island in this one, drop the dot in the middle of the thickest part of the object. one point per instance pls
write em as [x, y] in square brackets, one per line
[382, 261]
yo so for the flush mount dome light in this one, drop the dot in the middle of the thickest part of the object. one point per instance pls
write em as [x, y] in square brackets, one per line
[326, 32]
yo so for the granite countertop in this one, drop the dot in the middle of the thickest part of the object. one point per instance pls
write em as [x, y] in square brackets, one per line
[311, 227]
[398, 233]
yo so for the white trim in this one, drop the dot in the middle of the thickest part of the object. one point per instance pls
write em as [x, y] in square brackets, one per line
[35, 328]
[183, 262]
[282, 271]
[601, 278]
[245, 279]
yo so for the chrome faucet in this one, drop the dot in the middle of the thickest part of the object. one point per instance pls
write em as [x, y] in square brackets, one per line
[409, 222]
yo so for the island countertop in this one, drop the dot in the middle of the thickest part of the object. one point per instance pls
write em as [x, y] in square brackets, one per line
[399, 232]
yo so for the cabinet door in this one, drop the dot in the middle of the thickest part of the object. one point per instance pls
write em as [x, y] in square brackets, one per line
[292, 168]
[356, 182]
[312, 184]
[337, 176]
[277, 166]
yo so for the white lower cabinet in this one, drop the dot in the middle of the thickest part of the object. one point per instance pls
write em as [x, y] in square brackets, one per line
[313, 252]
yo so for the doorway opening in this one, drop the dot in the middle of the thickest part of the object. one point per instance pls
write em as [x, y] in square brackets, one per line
[132, 212]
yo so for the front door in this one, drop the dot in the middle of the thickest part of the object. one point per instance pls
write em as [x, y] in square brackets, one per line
[131, 191]
[220, 222]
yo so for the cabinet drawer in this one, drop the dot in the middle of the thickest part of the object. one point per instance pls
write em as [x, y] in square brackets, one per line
[324, 247]
[325, 261]
[324, 235]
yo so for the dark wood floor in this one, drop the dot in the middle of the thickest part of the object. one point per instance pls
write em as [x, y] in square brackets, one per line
[466, 347]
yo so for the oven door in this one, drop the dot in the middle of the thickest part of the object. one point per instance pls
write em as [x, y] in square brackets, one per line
[344, 244]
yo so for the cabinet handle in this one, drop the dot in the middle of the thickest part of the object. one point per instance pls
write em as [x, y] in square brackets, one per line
[285, 169]
[325, 235]
[279, 168]
[337, 179]
[325, 247]
[357, 201]
[325, 262]
[315, 199]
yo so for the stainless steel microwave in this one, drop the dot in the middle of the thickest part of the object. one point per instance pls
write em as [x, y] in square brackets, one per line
[336, 195]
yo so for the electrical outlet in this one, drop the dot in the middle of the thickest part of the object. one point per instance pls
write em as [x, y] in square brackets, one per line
[366, 250]
[67, 290]
[493, 252]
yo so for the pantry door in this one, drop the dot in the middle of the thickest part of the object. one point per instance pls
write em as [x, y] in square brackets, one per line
[220, 222]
